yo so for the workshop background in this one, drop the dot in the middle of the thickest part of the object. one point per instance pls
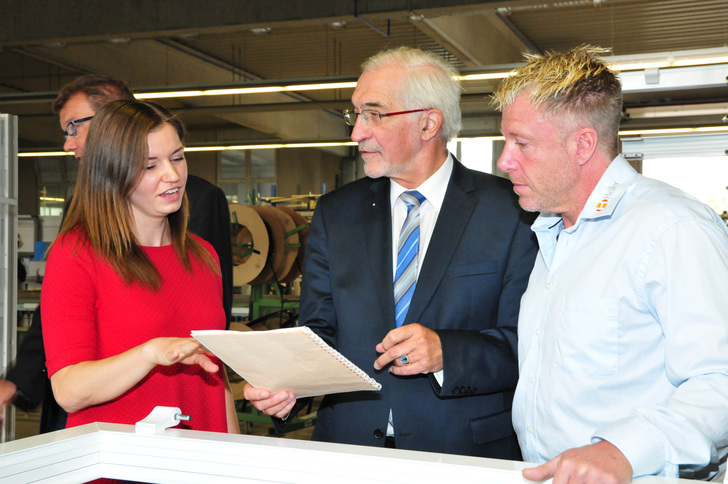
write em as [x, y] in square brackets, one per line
[261, 87]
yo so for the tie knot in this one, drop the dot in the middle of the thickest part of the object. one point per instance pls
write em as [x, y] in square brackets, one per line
[412, 197]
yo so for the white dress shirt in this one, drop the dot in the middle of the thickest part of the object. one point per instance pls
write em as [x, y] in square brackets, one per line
[623, 330]
[433, 189]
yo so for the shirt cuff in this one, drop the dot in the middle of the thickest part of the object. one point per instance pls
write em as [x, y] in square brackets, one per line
[640, 442]
[439, 376]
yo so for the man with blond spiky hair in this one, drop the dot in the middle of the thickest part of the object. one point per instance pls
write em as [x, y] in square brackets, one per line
[623, 330]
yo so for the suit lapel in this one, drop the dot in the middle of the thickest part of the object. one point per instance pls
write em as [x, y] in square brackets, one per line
[457, 208]
[377, 219]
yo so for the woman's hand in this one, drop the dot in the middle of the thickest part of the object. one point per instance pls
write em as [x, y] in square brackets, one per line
[89, 383]
[278, 404]
[188, 351]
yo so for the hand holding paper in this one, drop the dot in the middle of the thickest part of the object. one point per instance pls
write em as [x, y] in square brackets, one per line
[277, 405]
[293, 360]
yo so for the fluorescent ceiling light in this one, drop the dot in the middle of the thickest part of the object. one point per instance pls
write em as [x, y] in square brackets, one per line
[651, 112]
[247, 90]
[641, 132]
[703, 57]
[668, 62]
[320, 145]
[659, 61]
[673, 131]
[312, 144]
[168, 94]
[485, 76]
[192, 149]
[335, 144]
[44, 154]
[491, 138]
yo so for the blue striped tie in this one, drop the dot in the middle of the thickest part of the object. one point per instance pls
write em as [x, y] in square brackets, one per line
[405, 276]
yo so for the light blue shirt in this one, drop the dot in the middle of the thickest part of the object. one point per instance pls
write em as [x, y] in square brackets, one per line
[623, 330]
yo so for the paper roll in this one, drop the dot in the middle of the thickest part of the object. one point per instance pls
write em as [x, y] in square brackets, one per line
[251, 244]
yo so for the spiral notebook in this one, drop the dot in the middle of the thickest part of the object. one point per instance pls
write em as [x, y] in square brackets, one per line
[292, 359]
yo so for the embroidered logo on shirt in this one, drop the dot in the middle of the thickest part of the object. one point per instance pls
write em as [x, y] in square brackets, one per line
[605, 201]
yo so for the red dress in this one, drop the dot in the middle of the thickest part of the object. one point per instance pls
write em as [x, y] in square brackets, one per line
[89, 313]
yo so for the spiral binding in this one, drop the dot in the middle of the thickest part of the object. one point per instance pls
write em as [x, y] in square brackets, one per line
[341, 358]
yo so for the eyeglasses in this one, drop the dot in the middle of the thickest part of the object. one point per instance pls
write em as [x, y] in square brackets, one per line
[371, 117]
[71, 128]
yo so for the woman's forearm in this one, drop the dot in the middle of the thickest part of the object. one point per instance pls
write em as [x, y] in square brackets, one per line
[87, 383]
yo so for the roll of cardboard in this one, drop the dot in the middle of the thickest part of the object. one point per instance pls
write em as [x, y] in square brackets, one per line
[298, 221]
[251, 244]
[283, 243]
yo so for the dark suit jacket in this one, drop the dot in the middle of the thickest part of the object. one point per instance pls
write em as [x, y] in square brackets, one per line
[469, 289]
[209, 219]
[31, 379]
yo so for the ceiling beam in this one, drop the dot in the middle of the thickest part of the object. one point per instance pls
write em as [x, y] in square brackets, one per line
[39, 22]
[147, 56]
[493, 44]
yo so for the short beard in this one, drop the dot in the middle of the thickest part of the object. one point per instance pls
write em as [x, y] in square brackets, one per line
[371, 173]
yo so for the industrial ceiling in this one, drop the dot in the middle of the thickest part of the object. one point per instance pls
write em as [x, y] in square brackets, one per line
[180, 44]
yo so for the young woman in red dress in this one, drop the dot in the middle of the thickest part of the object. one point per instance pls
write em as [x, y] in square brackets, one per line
[125, 282]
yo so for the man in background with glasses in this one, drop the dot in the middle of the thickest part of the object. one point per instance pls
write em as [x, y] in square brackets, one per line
[77, 103]
[441, 336]
[27, 383]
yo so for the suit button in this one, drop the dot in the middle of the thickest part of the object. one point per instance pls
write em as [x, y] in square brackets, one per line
[378, 434]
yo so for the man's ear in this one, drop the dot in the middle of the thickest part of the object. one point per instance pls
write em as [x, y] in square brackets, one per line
[431, 124]
[587, 141]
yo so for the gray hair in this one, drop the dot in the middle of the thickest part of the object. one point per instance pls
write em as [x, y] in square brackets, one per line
[431, 83]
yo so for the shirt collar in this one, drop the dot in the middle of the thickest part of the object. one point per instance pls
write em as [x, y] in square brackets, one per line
[603, 200]
[609, 191]
[433, 188]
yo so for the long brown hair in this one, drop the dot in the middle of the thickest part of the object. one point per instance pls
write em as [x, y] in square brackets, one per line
[116, 156]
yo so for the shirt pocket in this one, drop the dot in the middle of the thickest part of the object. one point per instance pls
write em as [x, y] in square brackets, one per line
[587, 342]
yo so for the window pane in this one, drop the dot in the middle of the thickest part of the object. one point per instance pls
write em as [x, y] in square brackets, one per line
[705, 178]
[233, 165]
[52, 200]
[50, 170]
[263, 164]
[265, 189]
[477, 154]
[71, 170]
[235, 192]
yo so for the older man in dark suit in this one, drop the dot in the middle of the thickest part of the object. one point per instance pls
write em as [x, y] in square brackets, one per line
[441, 320]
